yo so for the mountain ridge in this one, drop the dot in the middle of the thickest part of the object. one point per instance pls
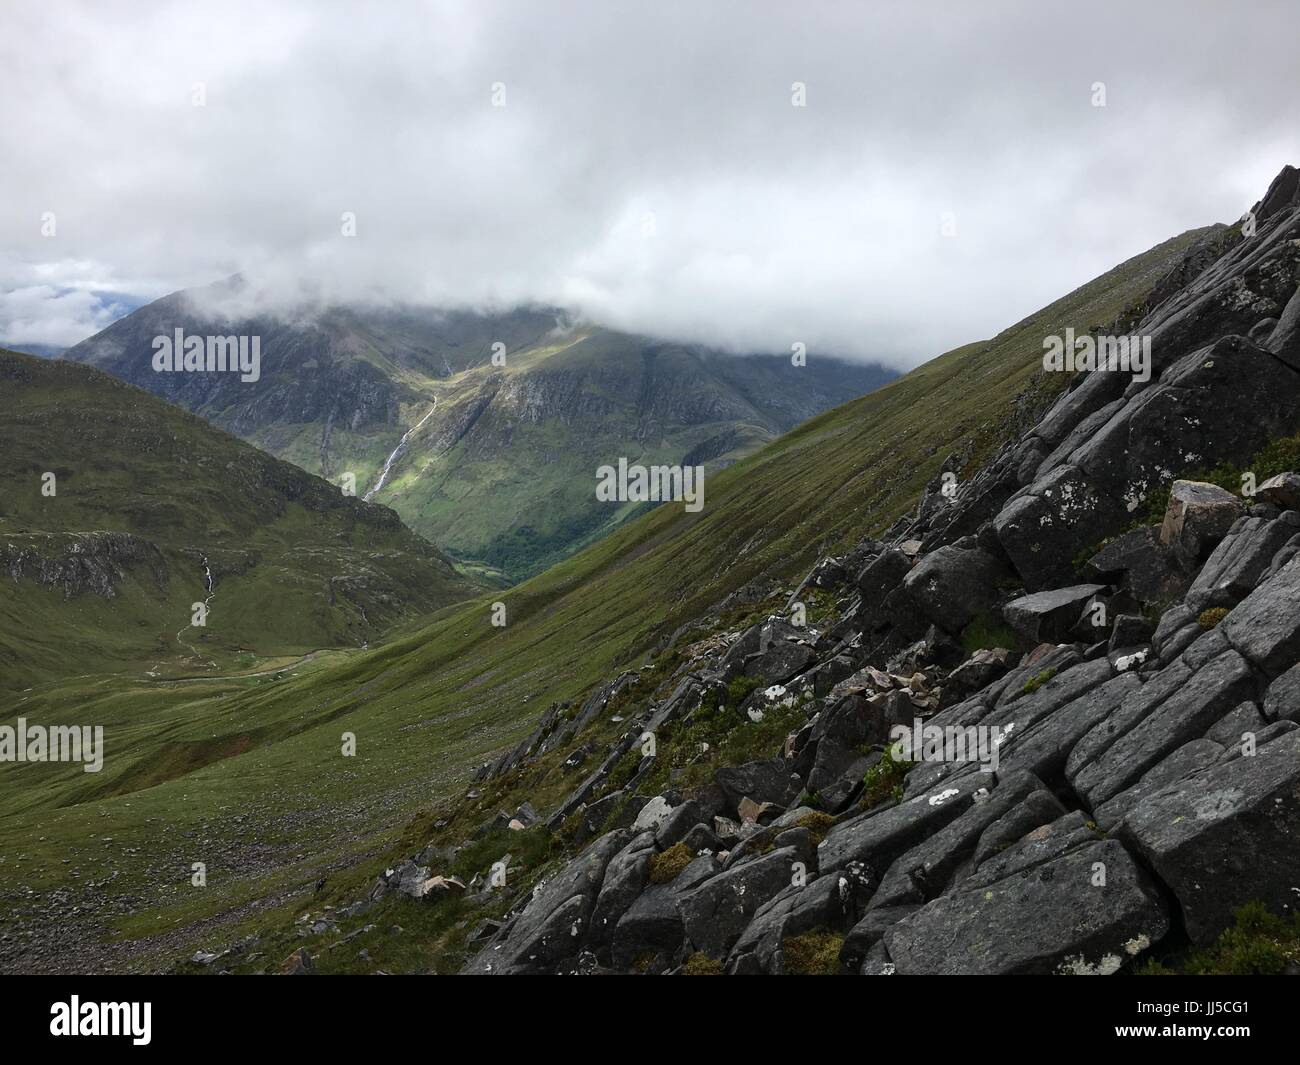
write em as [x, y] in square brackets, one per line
[527, 407]
[296, 564]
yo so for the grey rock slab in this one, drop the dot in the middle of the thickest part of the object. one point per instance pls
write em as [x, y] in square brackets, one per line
[1053, 918]
[1133, 710]
[1226, 836]
[1282, 699]
[876, 838]
[1235, 566]
[1042, 747]
[1265, 626]
[1188, 759]
[925, 870]
[1187, 714]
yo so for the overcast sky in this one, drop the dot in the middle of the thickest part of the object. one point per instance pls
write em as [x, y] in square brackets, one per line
[648, 167]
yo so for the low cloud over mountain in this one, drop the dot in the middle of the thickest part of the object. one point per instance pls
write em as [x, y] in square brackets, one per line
[648, 166]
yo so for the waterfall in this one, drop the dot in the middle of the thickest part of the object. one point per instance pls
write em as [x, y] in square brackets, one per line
[401, 446]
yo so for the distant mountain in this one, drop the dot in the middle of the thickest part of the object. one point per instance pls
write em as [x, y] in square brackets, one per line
[493, 460]
[119, 512]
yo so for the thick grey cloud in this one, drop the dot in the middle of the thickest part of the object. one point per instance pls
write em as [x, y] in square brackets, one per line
[648, 167]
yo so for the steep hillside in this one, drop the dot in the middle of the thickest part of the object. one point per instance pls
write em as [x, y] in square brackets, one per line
[118, 512]
[429, 706]
[493, 461]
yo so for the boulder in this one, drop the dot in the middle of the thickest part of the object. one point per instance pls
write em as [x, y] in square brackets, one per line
[678, 823]
[1131, 630]
[869, 931]
[716, 913]
[853, 724]
[768, 781]
[553, 926]
[828, 902]
[1048, 617]
[882, 575]
[649, 936]
[952, 585]
[837, 773]
[1043, 530]
[1282, 491]
[653, 815]
[625, 878]
[977, 672]
[408, 878]
[1147, 569]
[783, 651]
[1198, 516]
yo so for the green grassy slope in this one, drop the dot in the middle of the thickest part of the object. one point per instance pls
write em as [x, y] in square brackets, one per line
[295, 564]
[433, 702]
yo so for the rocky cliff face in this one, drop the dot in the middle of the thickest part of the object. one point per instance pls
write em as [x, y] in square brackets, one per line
[86, 563]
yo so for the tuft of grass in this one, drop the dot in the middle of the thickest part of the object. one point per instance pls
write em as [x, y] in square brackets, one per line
[813, 954]
[817, 823]
[1259, 943]
[986, 632]
[1277, 456]
[1034, 683]
[700, 964]
[667, 866]
[884, 780]
[1208, 619]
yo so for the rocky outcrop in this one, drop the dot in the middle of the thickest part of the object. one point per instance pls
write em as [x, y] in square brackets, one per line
[93, 563]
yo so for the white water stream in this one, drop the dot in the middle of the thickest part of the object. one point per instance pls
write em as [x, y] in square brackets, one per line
[401, 446]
